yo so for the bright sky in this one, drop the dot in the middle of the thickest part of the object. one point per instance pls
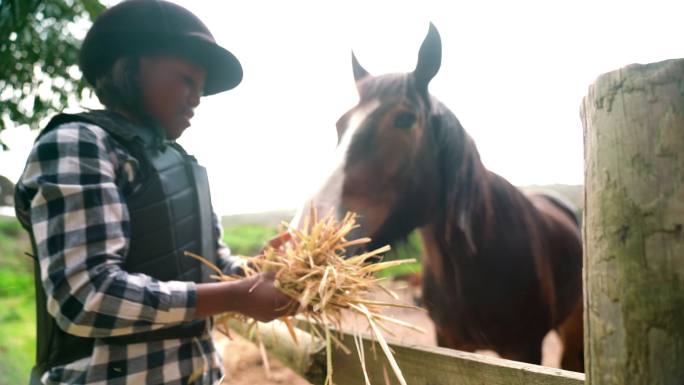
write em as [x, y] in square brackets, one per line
[514, 72]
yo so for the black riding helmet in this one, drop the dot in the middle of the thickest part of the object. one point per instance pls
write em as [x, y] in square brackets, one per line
[136, 27]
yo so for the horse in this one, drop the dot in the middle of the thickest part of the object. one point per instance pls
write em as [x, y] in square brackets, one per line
[500, 268]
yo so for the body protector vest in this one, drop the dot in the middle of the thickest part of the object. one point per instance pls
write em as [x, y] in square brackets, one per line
[170, 213]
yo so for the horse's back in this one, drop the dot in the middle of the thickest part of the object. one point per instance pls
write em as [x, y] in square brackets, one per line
[546, 228]
[563, 241]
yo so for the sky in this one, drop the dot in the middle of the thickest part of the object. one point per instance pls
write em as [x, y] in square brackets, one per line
[513, 72]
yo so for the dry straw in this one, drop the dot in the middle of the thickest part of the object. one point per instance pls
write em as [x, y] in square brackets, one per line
[314, 269]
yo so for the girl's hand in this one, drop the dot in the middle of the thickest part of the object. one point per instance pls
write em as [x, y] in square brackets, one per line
[263, 301]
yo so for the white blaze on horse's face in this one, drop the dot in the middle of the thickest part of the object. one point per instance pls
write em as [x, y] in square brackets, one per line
[329, 195]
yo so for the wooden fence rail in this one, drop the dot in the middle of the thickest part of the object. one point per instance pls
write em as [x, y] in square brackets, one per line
[421, 365]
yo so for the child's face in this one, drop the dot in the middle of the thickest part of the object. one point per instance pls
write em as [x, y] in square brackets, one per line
[171, 89]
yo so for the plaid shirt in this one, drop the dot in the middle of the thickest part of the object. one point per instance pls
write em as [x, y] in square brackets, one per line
[71, 190]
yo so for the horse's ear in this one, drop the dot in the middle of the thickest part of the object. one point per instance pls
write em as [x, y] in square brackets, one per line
[359, 71]
[429, 59]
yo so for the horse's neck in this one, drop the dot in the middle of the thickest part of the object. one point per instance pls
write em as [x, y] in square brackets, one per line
[470, 197]
[453, 244]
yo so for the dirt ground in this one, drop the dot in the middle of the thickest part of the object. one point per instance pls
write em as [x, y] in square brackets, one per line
[244, 366]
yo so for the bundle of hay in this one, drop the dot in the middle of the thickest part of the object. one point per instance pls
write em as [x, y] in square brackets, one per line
[313, 269]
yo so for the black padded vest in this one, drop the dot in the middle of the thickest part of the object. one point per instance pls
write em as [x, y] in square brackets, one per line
[170, 213]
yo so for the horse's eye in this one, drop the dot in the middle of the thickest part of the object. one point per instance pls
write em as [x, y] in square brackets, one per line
[404, 120]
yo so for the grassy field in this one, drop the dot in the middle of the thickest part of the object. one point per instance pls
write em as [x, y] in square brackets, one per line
[17, 311]
[17, 314]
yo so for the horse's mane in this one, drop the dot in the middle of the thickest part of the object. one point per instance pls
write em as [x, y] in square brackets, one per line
[475, 202]
[464, 191]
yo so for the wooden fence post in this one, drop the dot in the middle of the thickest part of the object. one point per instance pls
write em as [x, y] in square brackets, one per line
[633, 238]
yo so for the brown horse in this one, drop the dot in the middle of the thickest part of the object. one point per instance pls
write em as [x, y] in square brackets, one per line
[501, 269]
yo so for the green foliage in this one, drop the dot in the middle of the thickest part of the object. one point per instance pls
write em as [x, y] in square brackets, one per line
[411, 248]
[10, 227]
[15, 283]
[14, 244]
[39, 43]
[17, 311]
[17, 338]
[247, 240]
